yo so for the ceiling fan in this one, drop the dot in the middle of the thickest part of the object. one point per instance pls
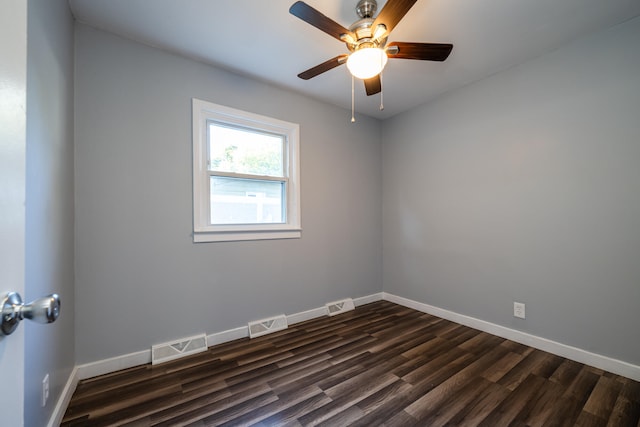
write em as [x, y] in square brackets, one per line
[366, 39]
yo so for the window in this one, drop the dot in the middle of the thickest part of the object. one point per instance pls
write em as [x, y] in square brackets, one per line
[246, 170]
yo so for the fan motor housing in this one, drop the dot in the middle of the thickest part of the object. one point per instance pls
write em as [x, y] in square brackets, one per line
[362, 29]
[364, 35]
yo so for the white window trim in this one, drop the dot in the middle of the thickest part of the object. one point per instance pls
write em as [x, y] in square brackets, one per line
[204, 111]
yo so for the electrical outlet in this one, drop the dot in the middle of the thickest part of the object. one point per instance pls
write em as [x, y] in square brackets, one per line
[518, 309]
[45, 390]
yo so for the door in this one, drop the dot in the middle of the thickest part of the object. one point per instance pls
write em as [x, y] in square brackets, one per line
[13, 99]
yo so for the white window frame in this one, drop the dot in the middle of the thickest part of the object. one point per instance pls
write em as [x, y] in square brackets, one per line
[203, 231]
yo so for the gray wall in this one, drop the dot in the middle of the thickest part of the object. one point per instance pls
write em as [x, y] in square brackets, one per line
[523, 186]
[139, 278]
[526, 186]
[49, 218]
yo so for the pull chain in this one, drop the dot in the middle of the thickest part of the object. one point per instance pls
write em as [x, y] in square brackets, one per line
[381, 88]
[353, 100]
[381, 94]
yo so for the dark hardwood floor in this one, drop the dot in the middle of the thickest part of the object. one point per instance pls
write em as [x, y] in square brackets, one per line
[382, 364]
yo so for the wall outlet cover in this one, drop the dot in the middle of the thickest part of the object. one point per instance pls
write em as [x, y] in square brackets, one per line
[45, 390]
[518, 310]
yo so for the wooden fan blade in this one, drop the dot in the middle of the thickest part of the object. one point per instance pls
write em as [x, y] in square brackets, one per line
[373, 85]
[392, 12]
[422, 51]
[325, 66]
[318, 20]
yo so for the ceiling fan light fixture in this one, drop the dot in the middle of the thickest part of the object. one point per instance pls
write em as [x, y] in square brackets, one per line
[367, 62]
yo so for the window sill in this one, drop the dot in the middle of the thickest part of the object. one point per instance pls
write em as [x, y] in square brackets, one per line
[236, 236]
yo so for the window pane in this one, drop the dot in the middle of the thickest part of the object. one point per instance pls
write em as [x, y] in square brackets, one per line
[235, 149]
[246, 201]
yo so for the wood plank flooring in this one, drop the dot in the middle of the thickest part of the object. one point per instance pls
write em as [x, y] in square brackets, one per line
[382, 364]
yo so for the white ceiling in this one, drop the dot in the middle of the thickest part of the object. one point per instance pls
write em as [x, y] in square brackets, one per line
[259, 38]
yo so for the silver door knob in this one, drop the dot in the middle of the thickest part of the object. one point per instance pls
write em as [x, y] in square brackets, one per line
[42, 310]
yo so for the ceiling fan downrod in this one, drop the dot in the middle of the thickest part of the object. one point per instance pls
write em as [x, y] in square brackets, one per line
[366, 8]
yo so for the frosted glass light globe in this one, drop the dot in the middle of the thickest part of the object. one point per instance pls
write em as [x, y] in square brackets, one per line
[367, 62]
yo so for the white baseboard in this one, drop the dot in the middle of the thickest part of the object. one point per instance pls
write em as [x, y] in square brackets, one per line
[368, 299]
[322, 311]
[117, 363]
[65, 397]
[579, 355]
[303, 316]
[226, 336]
